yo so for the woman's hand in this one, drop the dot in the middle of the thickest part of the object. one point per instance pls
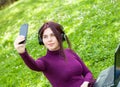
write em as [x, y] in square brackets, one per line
[19, 47]
[85, 84]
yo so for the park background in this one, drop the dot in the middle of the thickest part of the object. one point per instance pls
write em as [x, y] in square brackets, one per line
[93, 27]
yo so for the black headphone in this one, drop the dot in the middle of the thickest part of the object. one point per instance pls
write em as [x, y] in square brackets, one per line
[41, 41]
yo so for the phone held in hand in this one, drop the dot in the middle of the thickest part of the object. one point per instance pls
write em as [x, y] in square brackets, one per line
[23, 32]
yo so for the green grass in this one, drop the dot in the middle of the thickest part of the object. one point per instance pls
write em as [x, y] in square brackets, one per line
[92, 26]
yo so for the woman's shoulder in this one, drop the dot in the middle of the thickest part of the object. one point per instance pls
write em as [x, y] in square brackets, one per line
[69, 50]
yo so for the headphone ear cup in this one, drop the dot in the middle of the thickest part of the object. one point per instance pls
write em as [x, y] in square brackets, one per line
[40, 40]
[63, 37]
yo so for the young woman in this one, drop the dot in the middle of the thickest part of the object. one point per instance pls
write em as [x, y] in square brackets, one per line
[62, 67]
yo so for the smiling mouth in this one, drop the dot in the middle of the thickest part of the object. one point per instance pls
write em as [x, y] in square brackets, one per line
[51, 44]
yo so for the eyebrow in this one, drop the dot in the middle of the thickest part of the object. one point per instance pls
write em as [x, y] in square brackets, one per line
[50, 34]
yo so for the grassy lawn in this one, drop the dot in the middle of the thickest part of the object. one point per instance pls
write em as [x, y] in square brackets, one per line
[93, 27]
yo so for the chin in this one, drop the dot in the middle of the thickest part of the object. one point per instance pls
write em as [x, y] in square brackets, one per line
[53, 49]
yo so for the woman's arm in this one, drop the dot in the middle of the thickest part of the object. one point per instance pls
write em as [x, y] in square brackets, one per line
[86, 72]
[37, 65]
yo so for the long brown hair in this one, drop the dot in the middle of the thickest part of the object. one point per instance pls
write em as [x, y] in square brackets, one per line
[58, 32]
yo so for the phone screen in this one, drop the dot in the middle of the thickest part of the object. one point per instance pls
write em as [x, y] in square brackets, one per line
[23, 32]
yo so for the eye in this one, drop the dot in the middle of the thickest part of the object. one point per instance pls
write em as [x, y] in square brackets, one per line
[44, 36]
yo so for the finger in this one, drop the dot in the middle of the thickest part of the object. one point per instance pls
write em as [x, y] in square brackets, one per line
[19, 45]
[19, 39]
[22, 42]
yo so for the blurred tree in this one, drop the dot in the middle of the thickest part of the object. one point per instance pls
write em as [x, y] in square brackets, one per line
[4, 3]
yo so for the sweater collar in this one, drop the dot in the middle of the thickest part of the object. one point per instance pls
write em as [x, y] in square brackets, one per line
[57, 52]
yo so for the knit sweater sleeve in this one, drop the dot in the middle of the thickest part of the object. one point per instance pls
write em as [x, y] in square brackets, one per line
[37, 65]
[86, 72]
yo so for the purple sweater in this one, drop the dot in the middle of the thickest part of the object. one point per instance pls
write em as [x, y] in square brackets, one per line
[71, 72]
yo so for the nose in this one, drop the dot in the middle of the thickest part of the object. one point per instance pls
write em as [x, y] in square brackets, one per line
[49, 38]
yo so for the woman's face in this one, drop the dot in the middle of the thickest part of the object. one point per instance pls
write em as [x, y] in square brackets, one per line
[49, 40]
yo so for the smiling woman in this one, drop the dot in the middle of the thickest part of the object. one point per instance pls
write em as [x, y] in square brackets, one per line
[50, 40]
[56, 31]
[58, 62]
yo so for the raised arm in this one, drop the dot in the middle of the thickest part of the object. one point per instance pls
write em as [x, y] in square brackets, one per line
[37, 65]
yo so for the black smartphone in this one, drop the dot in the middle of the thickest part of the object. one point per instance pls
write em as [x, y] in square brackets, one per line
[23, 32]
